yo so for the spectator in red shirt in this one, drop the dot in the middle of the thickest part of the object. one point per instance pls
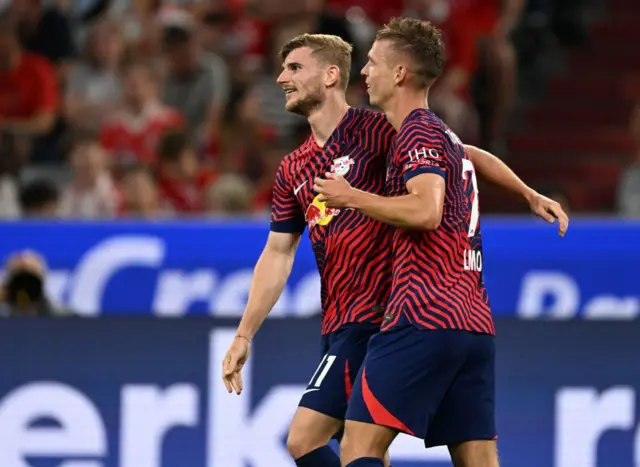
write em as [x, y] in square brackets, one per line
[133, 133]
[28, 88]
[182, 183]
[28, 98]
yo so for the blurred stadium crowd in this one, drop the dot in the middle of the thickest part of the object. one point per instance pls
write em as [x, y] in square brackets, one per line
[160, 109]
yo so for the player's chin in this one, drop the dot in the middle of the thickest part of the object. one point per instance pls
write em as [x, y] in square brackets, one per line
[373, 99]
[292, 105]
[299, 107]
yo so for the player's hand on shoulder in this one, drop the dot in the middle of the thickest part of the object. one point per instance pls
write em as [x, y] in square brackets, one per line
[234, 360]
[549, 210]
[334, 190]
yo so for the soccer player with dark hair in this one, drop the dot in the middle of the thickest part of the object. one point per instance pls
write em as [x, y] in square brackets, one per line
[353, 251]
[430, 371]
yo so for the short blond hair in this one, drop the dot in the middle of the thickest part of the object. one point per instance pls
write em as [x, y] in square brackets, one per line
[330, 50]
[421, 41]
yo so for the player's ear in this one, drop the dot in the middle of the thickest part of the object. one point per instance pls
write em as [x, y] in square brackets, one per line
[332, 76]
[400, 74]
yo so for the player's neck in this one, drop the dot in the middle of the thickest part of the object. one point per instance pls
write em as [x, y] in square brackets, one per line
[403, 105]
[326, 118]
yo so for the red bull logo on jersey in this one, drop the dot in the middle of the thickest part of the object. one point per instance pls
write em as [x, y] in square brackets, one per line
[319, 214]
[341, 165]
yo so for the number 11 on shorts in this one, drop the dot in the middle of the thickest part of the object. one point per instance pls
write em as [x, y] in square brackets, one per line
[322, 370]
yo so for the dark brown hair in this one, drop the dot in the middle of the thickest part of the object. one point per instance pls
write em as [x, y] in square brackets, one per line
[421, 41]
[330, 50]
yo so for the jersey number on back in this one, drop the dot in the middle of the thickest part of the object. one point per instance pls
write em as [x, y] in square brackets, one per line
[467, 166]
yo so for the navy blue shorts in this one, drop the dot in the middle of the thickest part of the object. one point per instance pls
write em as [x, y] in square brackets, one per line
[343, 352]
[436, 385]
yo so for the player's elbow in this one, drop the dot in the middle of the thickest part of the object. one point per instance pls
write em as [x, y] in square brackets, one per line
[429, 220]
[427, 207]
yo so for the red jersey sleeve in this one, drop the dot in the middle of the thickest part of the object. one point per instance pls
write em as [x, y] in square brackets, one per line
[286, 214]
[419, 150]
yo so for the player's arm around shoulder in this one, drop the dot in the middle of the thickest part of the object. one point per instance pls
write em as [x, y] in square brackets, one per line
[419, 162]
[419, 209]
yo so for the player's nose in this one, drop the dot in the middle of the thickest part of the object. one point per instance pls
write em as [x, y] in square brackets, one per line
[284, 77]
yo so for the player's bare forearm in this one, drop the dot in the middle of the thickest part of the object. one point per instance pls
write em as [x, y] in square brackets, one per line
[498, 173]
[409, 211]
[269, 279]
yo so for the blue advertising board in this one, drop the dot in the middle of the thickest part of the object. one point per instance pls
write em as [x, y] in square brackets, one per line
[125, 392]
[205, 268]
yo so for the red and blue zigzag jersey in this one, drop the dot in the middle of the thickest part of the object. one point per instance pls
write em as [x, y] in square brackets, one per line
[437, 275]
[352, 251]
